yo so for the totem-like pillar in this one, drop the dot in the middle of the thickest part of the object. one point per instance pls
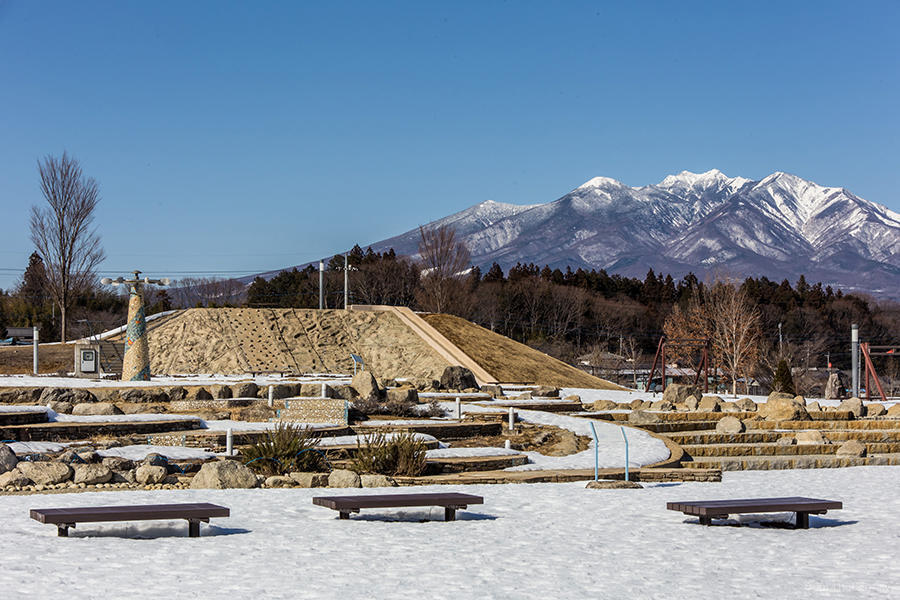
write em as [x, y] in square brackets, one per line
[136, 364]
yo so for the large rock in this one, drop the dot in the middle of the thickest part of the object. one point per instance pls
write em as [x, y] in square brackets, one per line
[493, 389]
[786, 440]
[366, 386]
[813, 407]
[855, 406]
[836, 386]
[198, 393]
[220, 392]
[746, 405]
[677, 393]
[8, 459]
[150, 474]
[458, 378]
[343, 478]
[546, 391]
[344, 392]
[894, 410]
[144, 396]
[641, 417]
[710, 404]
[783, 407]
[14, 478]
[663, 405]
[96, 409]
[813, 436]
[45, 473]
[729, 425]
[875, 410]
[117, 463]
[403, 395]
[63, 408]
[309, 480]
[20, 395]
[72, 396]
[315, 390]
[279, 481]
[248, 389]
[224, 474]
[370, 480]
[852, 448]
[604, 405]
[92, 474]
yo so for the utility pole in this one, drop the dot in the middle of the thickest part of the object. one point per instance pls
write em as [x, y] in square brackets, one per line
[346, 280]
[854, 353]
[321, 284]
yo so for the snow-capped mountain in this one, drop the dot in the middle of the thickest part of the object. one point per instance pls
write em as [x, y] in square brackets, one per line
[780, 226]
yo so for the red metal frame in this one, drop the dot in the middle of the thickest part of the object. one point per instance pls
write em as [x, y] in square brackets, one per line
[868, 351]
[680, 342]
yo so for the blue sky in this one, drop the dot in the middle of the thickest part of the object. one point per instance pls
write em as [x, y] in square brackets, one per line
[243, 137]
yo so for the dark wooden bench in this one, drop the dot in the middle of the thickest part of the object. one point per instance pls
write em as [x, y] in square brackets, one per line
[714, 509]
[348, 504]
[64, 518]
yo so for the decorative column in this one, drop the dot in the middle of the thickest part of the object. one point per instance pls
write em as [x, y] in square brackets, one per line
[136, 364]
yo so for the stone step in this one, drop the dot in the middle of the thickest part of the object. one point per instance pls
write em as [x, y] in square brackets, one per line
[23, 418]
[559, 476]
[67, 432]
[554, 407]
[461, 464]
[671, 416]
[699, 452]
[442, 431]
[856, 424]
[771, 436]
[216, 440]
[675, 427]
[812, 461]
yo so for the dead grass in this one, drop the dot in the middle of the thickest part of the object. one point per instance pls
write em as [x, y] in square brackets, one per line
[52, 358]
[508, 360]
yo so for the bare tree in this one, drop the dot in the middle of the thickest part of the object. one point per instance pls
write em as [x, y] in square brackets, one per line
[445, 261]
[735, 329]
[207, 291]
[62, 233]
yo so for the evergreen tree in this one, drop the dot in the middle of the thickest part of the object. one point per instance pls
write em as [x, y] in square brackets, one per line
[784, 381]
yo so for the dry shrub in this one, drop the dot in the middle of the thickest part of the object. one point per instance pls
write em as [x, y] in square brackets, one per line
[402, 454]
[289, 447]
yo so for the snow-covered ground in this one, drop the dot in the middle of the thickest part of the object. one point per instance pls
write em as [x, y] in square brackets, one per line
[526, 541]
[591, 395]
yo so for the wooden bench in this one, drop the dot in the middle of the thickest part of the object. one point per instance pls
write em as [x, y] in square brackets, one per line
[348, 504]
[713, 509]
[64, 518]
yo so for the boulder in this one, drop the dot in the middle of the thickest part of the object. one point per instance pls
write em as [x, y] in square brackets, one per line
[604, 405]
[20, 395]
[370, 480]
[641, 417]
[176, 392]
[45, 473]
[613, 485]
[124, 476]
[523, 396]
[813, 407]
[224, 474]
[546, 391]
[573, 398]
[63, 408]
[344, 392]
[746, 405]
[636, 403]
[92, 474]
[493, 389]
[244, 390]
[343, 478]
[144, 396]
[8, 459]
[812, 436]
[14, 478]
[220, 392]
[855, 406]
[96, 409]
[691, 403]
[72, 396]
[662, 405]
[366, 386]
[875, 410]
[853, 448]
[403, 395]
[836, 386]
[156, 460]
[147, 474]
[458, 378]
[279, 481]
[710, 404]
[646, 405]
[730, 425]
[677, 393]
[314, 390]
[786, 440]
[783, 407]
[198, 393]
[117, 463]
[894, 410]
[309, 480]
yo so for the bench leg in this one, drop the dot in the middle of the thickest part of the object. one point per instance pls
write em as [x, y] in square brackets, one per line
[705, 520]
[802, 520]
[449, 514]
[193, 527]
[344, 515]
[62, 529]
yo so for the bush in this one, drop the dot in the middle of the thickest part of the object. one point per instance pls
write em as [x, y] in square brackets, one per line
[402, 454]
[784, 381]
[277, 453]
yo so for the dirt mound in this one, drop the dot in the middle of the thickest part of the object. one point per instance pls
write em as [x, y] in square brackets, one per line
[244, 340]
[510, 361]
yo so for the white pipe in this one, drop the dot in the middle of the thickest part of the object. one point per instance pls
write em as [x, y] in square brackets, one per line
[271, 396]
[507, 444]
[512, 418]
[35, 335]
[323, 391]
[458, 410]
[229, 442]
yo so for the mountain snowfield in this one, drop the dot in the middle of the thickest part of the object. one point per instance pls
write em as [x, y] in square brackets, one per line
[781, 226]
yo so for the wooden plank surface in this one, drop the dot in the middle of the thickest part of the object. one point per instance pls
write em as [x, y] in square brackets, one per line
[396, 500]
[750, 505]
[129, 513]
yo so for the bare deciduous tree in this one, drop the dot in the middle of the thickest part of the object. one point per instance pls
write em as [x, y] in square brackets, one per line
[735, 329]
[445, 261]
[62, 233]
